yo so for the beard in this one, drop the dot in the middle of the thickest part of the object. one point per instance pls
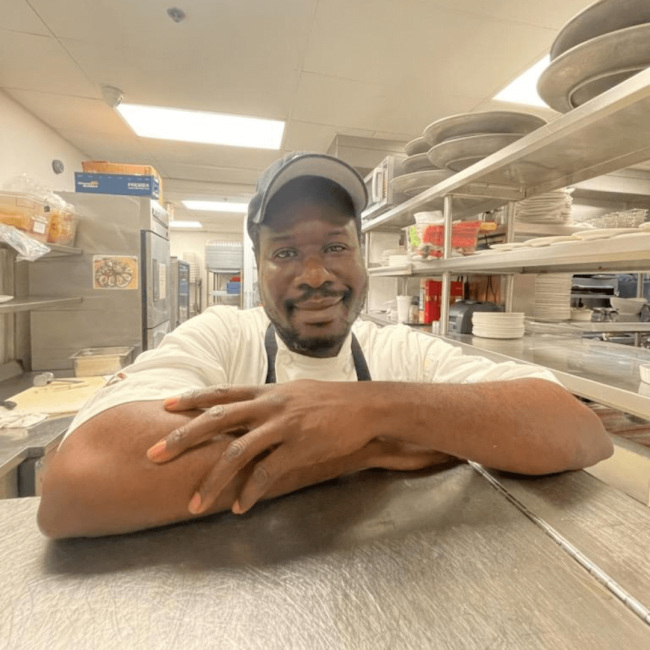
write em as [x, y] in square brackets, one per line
[325, 345]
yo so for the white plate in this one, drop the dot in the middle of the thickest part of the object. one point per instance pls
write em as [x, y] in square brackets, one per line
[602, 233]
[506, 246]
[637, 235]
[595, 66]
[547, 241]
[6, 298]
[419, 162]
[413, 184]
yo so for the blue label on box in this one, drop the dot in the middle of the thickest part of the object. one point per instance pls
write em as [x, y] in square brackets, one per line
[123, 184]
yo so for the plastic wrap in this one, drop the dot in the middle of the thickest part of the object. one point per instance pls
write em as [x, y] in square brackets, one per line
[28, 248]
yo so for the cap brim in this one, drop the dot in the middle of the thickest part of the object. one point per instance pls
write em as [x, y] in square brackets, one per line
[323, 166]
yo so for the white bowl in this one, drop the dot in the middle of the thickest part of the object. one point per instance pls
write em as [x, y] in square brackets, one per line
[627, 305]
[644, 371]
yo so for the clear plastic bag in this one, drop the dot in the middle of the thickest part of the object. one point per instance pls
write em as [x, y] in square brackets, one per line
[28, 248]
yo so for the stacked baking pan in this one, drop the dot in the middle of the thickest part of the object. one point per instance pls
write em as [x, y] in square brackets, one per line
[599, 48]
[456, 142]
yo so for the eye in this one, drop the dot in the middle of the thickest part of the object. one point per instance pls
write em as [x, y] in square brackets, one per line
[284, 253]
[336, 248]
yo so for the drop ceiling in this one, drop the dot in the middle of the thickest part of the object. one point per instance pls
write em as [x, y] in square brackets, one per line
[380, 69]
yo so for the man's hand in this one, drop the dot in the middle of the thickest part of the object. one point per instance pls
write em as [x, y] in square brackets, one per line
[284, 426]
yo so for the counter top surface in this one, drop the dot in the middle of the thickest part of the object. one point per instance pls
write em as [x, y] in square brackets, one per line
[377, 560]
[17, 445]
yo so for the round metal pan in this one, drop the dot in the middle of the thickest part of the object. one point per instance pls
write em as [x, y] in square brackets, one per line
[460, 153]
[413, 184]
[419, 162]
[600, 18]
[414, 147]
[488, 122]
[594, 67]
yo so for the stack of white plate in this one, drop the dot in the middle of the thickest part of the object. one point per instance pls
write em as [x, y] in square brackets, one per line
[497, 325]
[553, 297]
[553, 207]
[223, 254]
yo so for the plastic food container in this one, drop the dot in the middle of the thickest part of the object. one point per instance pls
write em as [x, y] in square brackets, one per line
[63, 227]
[91, 362]
[427, 240]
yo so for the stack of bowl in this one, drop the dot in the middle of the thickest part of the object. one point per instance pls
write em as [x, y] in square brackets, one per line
[602, 46]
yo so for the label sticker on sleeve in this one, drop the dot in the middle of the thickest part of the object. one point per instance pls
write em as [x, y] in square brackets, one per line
[115, 272]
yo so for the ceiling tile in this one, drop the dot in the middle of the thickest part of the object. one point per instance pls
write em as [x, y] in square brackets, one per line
[169, 151]
[179, 79]
[373, 107]
[267, 31]
[73, 113]
[18, 16]
[550, 13]
[241, 177]
[114, 148]
[32, 62]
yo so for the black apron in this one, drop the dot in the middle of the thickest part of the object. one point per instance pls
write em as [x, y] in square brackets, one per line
[360, 365]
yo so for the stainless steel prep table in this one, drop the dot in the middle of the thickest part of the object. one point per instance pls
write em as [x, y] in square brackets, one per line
[378, 560]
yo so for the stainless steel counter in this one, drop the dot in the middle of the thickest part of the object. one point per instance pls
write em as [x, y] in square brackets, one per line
[378, 560]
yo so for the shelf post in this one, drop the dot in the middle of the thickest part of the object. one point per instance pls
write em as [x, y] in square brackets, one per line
[446, 277]
[509, 288]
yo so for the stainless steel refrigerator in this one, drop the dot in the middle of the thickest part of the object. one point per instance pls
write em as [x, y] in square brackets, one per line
[180, 292]
[123, 275]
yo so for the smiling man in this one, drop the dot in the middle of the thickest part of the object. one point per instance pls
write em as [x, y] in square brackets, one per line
[236, 406]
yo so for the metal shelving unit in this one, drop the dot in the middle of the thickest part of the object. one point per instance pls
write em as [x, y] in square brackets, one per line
[605, 135]
[32, 303]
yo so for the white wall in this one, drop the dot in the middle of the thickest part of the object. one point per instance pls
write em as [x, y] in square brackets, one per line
[28, 146]
[187, 241]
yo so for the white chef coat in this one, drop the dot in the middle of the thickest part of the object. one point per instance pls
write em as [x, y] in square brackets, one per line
[225, 345]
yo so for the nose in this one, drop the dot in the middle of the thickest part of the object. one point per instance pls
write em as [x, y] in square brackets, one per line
[314, 273]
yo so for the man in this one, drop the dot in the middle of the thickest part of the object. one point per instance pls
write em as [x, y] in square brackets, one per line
[280, 397]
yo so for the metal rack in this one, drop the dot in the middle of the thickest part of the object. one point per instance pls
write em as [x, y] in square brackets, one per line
[214, 281]
[602, 136]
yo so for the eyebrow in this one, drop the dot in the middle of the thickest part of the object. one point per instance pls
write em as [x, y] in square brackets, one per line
[279, 238]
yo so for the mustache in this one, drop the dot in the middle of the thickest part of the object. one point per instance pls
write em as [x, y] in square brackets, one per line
[310, 294]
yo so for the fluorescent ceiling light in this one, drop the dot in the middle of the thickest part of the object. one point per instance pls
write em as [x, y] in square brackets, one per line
[185, 224]
[523, 90]
[217, 206]
[199, 126]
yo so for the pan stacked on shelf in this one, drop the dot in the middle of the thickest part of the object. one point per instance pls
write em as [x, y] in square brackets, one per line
[454, 143]
[599, 48]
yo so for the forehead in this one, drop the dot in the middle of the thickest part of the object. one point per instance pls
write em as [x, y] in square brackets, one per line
[305, 217]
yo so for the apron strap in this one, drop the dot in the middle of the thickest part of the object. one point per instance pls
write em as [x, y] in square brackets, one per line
[271, 346]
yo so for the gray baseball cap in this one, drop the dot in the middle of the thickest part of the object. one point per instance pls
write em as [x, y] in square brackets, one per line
[297, 164]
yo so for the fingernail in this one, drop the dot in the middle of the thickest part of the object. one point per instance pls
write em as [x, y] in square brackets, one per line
[157, 450]
[195, 504]
[170, 402]
[236, 508]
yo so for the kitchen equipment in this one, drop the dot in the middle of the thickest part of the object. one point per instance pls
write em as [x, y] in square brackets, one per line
[460, 153]
[461, 312]
[593, 67]
[414, 147]
[412, 184]
[101, 361]
[51, 400]
[597, 19]
[48, 378]
[123, 276]
[419, 162]
[180, 292]
[381, 194]
[627, 306]
[466, 124]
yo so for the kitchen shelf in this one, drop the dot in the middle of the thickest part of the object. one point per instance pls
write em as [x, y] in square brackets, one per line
[580, 327]
[32, 303]
[623, 254]
[603, 135]
[604, 372]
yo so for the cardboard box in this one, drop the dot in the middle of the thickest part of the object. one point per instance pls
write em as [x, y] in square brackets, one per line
[127, 185]
[124, 169]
